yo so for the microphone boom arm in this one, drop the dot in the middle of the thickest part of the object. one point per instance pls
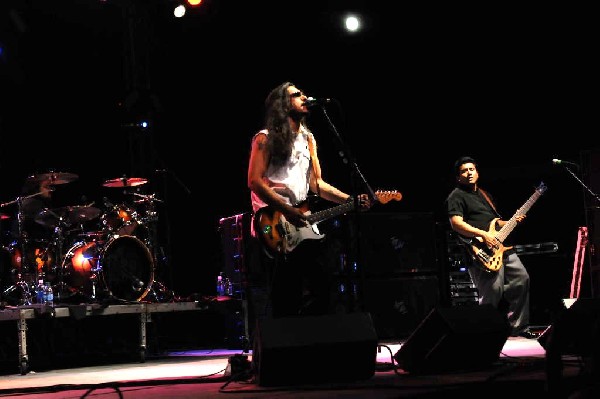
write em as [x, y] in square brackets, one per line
[593, 194]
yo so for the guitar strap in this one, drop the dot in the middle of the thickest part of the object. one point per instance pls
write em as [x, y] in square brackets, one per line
[313, 155]
[489, 201]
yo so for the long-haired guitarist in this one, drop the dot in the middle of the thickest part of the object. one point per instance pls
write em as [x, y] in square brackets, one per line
[495, 269]
[283, 170]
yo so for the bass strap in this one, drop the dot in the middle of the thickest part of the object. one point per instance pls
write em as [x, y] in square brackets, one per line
[488, 200]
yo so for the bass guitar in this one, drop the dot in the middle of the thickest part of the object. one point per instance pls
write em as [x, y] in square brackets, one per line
[280, 236]
[490, 259]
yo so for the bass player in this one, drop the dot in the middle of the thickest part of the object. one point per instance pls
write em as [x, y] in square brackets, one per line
[473, 215]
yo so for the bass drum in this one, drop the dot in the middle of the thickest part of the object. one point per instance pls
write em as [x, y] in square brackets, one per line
[79, 267]
[126, 268]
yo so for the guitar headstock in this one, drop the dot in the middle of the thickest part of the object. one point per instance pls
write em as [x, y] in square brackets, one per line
[541, 189]
[386, 196]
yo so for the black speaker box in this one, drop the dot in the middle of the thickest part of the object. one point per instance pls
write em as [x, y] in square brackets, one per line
[397, 305]
[454, 339]
[576, 328]
[395, 243]
[314, 349]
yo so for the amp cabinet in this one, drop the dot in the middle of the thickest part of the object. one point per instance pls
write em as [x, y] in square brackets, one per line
[398, 243]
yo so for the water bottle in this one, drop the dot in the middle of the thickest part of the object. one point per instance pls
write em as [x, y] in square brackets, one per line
[39, 292]
[48, 295]
[220, 285]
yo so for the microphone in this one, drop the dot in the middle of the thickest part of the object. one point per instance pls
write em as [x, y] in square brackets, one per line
[141, 124]
[311, 101]
[561, 162]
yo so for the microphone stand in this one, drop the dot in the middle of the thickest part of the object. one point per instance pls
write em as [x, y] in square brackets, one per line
[593, 194]
[166, 257]
[597, 198]
[353, 266]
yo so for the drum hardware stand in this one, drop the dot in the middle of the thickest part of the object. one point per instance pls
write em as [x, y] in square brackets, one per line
[158, 290]
[60, 286]
[24, 261]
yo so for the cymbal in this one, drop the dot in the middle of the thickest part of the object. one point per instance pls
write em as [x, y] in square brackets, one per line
[125, 182]
[68, 214]
[54, 177]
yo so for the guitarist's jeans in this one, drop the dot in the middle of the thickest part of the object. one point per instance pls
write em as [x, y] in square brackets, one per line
[511, 284]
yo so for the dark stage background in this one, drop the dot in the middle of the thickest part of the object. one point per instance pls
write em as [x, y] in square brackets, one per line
[417, 89]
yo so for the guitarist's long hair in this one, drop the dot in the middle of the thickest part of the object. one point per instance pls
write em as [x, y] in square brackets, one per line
[281, 137]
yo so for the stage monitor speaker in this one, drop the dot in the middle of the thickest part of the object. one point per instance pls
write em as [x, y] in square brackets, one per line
[454, 339]
[314, 349]
[576, 329]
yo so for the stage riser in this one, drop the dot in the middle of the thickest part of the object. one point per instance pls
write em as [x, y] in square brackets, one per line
[53, 343]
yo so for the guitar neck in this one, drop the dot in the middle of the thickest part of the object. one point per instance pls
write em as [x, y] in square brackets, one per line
[512, 222]
[380, 196]
[331, 212]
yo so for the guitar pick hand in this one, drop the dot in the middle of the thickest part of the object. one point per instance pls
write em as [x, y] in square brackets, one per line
[296, 216]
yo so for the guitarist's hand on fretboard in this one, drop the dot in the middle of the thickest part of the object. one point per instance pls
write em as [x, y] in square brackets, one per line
[295, 216]
[364, 202]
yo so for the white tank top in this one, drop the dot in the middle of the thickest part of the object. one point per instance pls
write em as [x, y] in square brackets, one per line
[291, 180]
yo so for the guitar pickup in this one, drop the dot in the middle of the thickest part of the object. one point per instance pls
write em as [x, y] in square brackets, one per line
[483, 255]
[268, 231]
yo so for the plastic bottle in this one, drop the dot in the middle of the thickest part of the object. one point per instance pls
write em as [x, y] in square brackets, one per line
[39, 292]
[48, 295]
[220, 285]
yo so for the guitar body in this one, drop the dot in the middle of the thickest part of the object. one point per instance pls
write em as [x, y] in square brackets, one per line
[280, 236]
[490, 259]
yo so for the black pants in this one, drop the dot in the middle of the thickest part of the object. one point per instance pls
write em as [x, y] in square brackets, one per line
[294, 284]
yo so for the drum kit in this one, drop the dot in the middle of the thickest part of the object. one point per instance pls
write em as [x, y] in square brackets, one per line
[115, 260]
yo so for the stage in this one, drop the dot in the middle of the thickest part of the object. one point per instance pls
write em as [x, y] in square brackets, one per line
[199, 349]
[204, 373]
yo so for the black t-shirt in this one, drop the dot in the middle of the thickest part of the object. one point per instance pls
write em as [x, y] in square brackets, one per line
[473, 207]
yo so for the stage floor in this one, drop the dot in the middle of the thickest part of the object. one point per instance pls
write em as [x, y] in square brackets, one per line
[203, 373]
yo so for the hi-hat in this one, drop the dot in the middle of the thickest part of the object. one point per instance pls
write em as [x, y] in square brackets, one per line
[125, 182]
[68, 215]
[54, 177]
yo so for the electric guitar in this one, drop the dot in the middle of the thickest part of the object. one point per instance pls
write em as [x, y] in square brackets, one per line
[490, 259]
[280, 236]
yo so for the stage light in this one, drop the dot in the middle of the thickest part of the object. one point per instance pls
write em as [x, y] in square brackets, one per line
[352, 23]
[194, 3]
[179, 11]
